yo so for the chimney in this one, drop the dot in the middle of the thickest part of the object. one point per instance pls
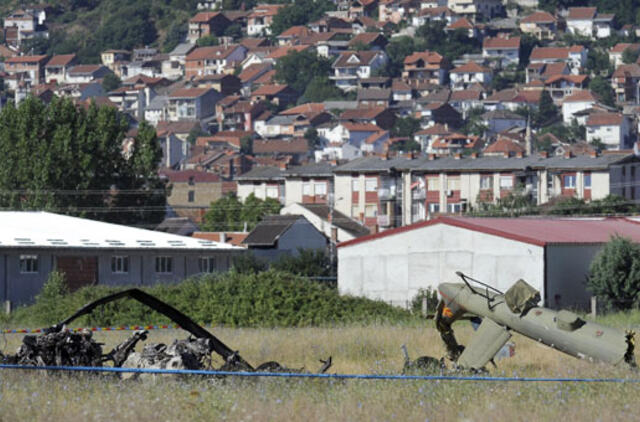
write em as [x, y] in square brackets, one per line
[334, 235]
[223, 237]
[474, 155]
[528, 139]
[506, 154]
[544, 154]
[593, 154]
[568, 154]
[457, 156]
[432, 157]
[519, 154]
[283, 166]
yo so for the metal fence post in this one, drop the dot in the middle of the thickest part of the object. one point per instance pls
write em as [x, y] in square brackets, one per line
[594, 306]
[425, 310]
[7, 307]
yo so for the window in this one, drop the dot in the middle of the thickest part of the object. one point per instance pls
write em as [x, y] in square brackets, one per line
[355, 211]
[28, 264]
[434, 208]
[320, 189]
[119, 264]
[191, 196]
[371, 211]
[587, 180]
[272, 192]
[506, 182]
[164, 264]
[371, 185]
[454, 208]
[207, 264]
[306, 189]
[486, 182]
[355, 185]
[433, 183]
[192, 180]
[569, 182]
[453, 183]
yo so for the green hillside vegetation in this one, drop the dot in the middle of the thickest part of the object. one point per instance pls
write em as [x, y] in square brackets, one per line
[267, 299]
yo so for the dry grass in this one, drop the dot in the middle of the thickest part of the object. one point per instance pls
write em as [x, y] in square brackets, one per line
[371, 349]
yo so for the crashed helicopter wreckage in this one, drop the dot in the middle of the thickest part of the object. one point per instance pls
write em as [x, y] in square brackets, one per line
[517, 310]
[60, 347]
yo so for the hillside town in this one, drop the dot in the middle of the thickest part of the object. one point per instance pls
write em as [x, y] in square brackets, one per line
[355, 117]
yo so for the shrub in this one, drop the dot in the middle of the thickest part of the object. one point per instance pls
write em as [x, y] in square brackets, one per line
[615, 273]
[432, 300]
[267, 299]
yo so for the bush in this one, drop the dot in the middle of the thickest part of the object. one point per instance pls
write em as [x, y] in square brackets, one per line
[308, 263]
[268, 299]
[615, 273]
[432, 301]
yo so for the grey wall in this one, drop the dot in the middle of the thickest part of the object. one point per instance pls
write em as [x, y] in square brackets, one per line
[22, 288]
[302, 234]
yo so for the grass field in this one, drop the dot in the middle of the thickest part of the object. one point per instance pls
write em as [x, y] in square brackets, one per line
[370, 349]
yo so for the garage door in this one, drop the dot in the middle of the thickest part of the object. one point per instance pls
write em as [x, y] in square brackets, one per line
[79, 271]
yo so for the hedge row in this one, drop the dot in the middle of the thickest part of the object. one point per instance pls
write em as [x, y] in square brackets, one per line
[266, 299]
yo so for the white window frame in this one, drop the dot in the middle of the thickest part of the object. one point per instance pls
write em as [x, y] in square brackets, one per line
[120, 264]
[355, 185]
[371, 184]
[453, 183]
[506, 182]
[486, 182]
[164, 264]
[306, 189]
[434, 208]
[320, 188]
[29, 264]
[269, 192]
[367, 211]
[587, 176]
[433, 184]
[454, 208]
[567, 177]
[207, 264]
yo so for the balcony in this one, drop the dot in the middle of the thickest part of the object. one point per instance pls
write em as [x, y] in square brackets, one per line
[419, 194]
[387, 194]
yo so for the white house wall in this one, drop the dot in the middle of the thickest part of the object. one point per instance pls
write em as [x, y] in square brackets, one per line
[395, 267]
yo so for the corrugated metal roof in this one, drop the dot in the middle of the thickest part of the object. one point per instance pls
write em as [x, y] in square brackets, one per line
[46, 230]
[536, 231]
[262, 173]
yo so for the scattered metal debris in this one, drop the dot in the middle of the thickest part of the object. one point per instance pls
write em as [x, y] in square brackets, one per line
[60, 347]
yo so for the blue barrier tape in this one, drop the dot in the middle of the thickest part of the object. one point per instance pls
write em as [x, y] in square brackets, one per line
[324, 376]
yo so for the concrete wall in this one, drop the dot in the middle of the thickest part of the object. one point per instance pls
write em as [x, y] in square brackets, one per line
[394, 267]
[301, 235]
[22, 288]
[567, 271]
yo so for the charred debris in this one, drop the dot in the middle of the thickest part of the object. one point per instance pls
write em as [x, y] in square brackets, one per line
[58, 346]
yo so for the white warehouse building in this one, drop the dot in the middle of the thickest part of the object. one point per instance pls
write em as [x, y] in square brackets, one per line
[551, 254]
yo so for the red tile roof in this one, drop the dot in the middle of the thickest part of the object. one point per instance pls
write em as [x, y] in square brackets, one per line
[465, 95]
[296, 32]
[580, 96]
[499, 43]
[361, 127]
[365, 38]
[575, 79]
[263, 10]
[535, 231]
[283, 146]
[233, 238]
[204, 17]
[462, 23]
[364, 58]
[189, 92]
[582, 13]
[26, 59]
[605, 119]
[430, 57]
[185, 176]
[212, 52]
[304, 108]
[283, 51]
[545, 53]
[61, 60]
[539, 17]
[621, 46]
[504, 145]
[471, 67]
[269, 90]
[362, 113]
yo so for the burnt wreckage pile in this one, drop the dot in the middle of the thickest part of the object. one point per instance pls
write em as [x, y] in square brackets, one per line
[60, 347]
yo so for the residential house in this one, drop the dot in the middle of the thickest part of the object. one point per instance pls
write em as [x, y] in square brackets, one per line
[332, 223]
[174, 67]
[374, 97]
[500, 120]
[382, 117]
[470, 73]
[466, 100]
[57, 67]
[588, 22]
[426, 137]
[505, 51]
[260, 19]
[540, 71]
[283, 235]
[505, 147]
[575, 56]
[27, 68]
[612, 130]
[463, 24]
[454, 144]
[280, 95]
[110, 58]
[225, 84]
[204, 24]
[293, 35]
[215, 59]
[438, 112]
[296, 150]
[192, 192]
[578, 101]
[616, 52]
[262, 182]
[426, 66]
[477, 9]
[562, 86]
[434, 14]
[85, 73]
[369, 40]
[397, 11]
[542, 25]
[194, 104]
[360, 8]
[251, 73]
[134, 99]
[22, 25]
[351, 66]
[625, 82]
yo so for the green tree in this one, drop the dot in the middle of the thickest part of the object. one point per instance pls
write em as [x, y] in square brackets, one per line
[598, 62]
[527, 43]
[298, 69]
[397, 50]
[602, 89]
[320, 89]
[234, 31]
[629, 56]
[308, 263]
[229, 214]
[299, 12]
[246, 144]
[66, 159]
[313, 140]
[195, 133]
[111, 82]
[207, 41]
[405, 145]
[176, 34]
[614, 273]
[547, 111]
[405, 127]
